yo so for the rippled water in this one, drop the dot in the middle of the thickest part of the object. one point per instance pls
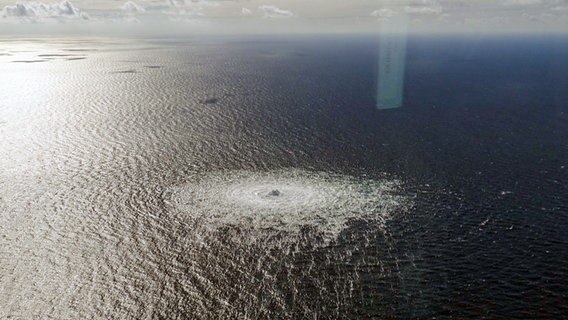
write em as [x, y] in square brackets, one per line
[287, 200]
[253, 178]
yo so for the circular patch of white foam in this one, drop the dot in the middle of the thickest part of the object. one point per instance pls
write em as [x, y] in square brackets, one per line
[287, 200]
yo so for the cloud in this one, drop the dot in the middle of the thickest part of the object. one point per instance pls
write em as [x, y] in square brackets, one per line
[189, 8]
[192, 3]
[35, 11]
[176, 3]
[425, 7]
[316, 15]
[275, 12]
[423, 10]
[132, 7]
[559, 9]
[383, 14]
[522, 2]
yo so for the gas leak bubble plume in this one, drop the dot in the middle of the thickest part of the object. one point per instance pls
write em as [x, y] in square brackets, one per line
[287, 200]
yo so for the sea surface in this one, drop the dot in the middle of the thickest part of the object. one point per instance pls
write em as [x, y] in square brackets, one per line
[255, 178]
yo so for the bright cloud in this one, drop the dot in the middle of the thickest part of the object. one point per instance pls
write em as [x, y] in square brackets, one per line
[132, 7]
[246, 12]
[423, 10]
[275, 12]
[317, 15]
[522, 2]
[384, 13]
[39, 10]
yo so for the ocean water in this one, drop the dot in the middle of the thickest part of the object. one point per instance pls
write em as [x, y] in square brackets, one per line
[254, 178]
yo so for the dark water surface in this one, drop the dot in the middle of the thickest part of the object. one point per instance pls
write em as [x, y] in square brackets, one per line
[299, 199]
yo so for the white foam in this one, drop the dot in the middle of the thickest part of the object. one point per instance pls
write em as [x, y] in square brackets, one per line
[287, 200]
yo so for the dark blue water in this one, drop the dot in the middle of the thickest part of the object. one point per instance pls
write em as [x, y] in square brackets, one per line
[483, 134]
[483, 138]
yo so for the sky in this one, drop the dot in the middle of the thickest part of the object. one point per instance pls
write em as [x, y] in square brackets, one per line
[283, 16]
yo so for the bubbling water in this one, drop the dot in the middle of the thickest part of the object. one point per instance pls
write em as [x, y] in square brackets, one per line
[287, 200]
